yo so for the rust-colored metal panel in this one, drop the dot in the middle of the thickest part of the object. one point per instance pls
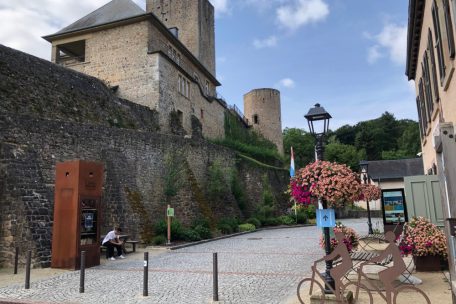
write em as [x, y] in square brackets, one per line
[78, 189]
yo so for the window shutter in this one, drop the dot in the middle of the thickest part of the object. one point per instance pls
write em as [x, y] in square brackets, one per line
[438, 41]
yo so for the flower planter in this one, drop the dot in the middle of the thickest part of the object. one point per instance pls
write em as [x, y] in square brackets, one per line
[427, 262]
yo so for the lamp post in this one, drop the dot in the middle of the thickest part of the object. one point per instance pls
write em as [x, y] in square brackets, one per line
[318, 120]
[364, 166]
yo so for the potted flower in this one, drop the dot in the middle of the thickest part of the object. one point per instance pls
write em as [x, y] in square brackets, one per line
[426, 242]
[351, 239]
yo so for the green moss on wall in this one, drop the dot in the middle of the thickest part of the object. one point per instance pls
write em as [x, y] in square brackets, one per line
[136, 204]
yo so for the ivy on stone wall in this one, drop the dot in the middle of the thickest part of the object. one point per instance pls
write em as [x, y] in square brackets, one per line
[237, 189]
[174, 167]
[249, 142]
[217, 186]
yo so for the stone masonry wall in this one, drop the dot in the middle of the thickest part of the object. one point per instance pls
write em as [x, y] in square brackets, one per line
[36, 87]
[133, 197]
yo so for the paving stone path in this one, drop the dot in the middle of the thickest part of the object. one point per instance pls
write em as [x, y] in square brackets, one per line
[261, 267]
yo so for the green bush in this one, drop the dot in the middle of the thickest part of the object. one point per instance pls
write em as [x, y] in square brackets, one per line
[301, 217]
[225, 228]
[204, 232]
[246, 227]
[270, 221]
[254, 221]
[190, 235]
[233, 222]
[311, 211]
[286, 220]
[201, 222]
[161, 228]
[159, 240]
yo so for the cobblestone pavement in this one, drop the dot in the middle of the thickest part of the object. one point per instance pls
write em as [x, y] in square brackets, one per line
[261, 267]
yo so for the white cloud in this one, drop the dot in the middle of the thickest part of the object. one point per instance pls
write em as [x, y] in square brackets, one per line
[391, 40]
[373, 54]
[221, 7]
[286, 83]
[24, 22]
[267, 42]
[302, 12]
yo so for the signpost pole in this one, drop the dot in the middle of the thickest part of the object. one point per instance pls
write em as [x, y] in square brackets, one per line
[169, 224]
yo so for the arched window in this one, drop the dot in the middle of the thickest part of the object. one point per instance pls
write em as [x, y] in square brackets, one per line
[255, 119]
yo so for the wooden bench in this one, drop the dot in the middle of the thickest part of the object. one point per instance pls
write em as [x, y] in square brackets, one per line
[133, 244]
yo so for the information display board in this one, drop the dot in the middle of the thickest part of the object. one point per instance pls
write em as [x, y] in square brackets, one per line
[393, 206]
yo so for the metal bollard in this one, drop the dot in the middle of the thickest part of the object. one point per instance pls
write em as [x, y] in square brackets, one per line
[215, 277]
[82, 272]
[146, 274]
[16, 260]
[27, 269]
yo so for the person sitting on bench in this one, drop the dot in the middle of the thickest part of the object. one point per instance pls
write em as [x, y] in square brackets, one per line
[112, 241]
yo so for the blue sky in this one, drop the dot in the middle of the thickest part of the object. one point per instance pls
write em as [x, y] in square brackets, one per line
[348, 55]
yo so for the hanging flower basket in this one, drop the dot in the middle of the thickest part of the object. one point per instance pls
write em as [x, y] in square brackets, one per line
[370, 192]
[335, 183]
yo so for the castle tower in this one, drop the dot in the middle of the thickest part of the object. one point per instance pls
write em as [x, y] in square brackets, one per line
[194, 20]
[262, 109]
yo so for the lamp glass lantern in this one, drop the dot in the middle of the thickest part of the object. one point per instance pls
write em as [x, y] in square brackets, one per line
[318, 120]
[364, 164]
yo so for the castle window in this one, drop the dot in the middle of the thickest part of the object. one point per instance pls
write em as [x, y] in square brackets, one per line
[255, 119]
[183, 86]
[206, 88]
[174, 55]
[202, 114]
[180, 118]
[72, 52]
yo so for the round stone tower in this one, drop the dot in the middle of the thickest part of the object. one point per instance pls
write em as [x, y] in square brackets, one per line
[262, 109]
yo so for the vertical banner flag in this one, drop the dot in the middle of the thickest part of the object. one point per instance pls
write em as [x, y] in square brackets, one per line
[292, 166]
[292, 173]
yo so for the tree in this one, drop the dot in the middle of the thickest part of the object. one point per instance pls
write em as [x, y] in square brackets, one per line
[303, 144]
[344, 154]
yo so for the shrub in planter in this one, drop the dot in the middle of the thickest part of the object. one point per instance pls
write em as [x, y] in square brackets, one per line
[254, 221]
[422, 238]
[246, 227]
[351, 239]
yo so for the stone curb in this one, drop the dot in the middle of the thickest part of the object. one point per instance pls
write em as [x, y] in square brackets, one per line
[226, 236]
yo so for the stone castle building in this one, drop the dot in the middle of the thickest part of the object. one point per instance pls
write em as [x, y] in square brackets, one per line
[162, 58]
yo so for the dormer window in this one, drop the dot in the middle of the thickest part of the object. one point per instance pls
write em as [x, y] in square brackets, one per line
[72, 52]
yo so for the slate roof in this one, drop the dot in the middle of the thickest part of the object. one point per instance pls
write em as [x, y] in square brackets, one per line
[115, 10]
[395, 169]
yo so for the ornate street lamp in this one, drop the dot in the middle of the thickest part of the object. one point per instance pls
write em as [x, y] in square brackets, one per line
[364, 166]
[318, 120]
